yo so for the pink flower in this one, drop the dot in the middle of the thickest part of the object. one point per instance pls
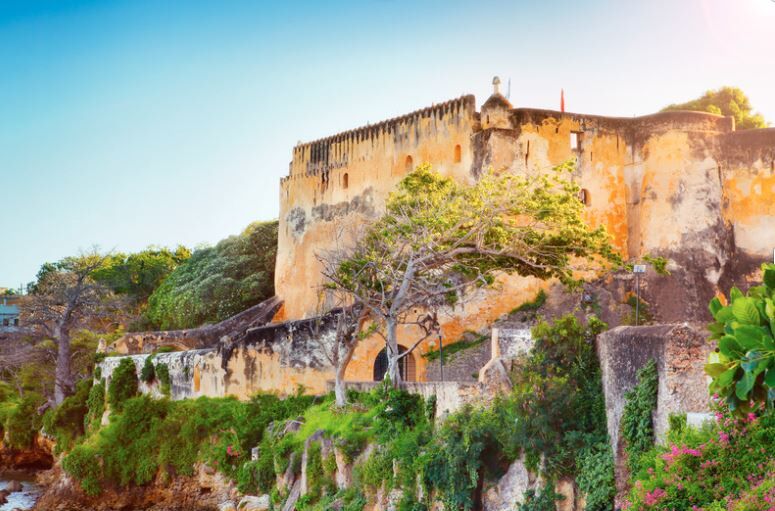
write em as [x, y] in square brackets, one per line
[652, 497]
[723, 437]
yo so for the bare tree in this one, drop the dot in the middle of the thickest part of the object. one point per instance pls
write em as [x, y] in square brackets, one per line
[66, 298]
[438, 240]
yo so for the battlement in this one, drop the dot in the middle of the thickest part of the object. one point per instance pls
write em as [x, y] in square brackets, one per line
[336, 151]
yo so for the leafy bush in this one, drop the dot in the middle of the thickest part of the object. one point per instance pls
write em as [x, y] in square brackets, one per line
[217, 282]
[557, 408]
[148, 372]
[543, 500]
[743, 366]
[148, 435]
[637, 421]
[20, 419]
[66, 422]
[123, 384]
[95, 404]
[596, 477]
[729, 465]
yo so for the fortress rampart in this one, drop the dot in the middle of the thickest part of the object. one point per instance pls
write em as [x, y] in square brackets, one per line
[682, 185]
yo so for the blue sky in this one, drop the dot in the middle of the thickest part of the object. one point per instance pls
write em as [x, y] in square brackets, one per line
[130, 123]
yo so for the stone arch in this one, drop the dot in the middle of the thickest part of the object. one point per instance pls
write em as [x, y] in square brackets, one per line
[407, 365]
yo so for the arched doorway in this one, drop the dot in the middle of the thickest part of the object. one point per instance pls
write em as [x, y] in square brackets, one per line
[406, 365]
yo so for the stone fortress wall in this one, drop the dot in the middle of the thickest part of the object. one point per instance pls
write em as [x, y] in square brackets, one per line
[682, 185]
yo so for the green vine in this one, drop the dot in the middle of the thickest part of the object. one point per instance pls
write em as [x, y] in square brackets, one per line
[637, 420]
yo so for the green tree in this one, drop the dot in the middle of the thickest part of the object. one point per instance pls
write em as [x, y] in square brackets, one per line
[64, 300]
[138, 275]
[217, 282]
[725, 101]
[439, 239]
[743, 367]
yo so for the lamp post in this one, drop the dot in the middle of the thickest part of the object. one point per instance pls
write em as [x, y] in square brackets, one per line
[638, 269]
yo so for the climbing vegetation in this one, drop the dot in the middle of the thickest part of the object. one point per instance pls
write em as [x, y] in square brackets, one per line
[637, 423]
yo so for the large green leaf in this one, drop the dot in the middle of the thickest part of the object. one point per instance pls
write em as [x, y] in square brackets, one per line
[729, 347]
[726, 377]
[769, 276]
[744, 386]
[724, 314]
[734, 294]
[749, 336]
[769, 378]
[745, 311]
[715, 370]
[714, 306]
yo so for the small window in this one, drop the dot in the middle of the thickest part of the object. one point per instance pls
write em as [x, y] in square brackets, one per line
[345, 181]
[16, 322]
[584, 197]
[458, 155]
[409, 164]
[5, 322]
[576, 138]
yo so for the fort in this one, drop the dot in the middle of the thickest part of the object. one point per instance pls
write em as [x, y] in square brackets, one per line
[686, 186]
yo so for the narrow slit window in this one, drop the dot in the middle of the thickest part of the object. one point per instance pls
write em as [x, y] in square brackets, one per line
[345, 181]
[458, 153]
[409, 164]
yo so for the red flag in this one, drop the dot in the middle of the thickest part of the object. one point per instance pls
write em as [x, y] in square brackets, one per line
[562, 100]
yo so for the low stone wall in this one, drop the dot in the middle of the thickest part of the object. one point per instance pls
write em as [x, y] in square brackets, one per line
[680, 353]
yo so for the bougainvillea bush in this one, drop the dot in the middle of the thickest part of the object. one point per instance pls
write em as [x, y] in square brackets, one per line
[725, 466]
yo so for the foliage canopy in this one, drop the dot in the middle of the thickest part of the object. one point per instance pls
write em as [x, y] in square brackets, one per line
[217, 282]
[725, 101]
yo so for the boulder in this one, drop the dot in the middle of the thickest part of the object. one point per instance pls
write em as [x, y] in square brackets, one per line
[227, 506]
[251, 503]
[14, 486]
[511, 488]
[494, 377]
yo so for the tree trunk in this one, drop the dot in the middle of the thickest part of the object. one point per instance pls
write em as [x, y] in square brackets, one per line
[63, 384]
[392, 352]
[339, 390]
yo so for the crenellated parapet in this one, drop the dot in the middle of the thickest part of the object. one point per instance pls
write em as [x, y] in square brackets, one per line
[317, 157]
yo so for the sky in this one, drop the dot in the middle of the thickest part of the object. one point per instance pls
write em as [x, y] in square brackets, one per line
[125, 124]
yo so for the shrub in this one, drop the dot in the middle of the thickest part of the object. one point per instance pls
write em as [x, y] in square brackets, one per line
[148, 372]
[66, 422]
[726, 465]
[743, 366]
[21, 421]
[123, 384]
[163, 372]
[95, 404]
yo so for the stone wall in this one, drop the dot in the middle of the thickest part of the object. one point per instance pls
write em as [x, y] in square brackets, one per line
[680, 352]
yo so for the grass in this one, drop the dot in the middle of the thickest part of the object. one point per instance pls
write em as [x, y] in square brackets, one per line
[456, 347]
[533, 305]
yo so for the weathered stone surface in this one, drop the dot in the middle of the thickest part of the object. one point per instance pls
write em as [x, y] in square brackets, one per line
[344, 470]
[227, 506]
[510, 490]
[252, 503]
[293, 497]
[680, 352]
[494, 377]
